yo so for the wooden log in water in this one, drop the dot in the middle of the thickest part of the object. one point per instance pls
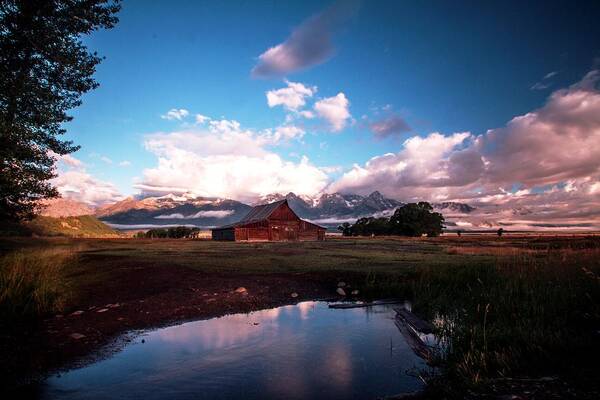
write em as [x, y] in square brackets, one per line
[414, 341]
[415, 322]
[368, 304]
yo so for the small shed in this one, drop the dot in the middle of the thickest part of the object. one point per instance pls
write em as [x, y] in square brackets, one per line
[270, 222]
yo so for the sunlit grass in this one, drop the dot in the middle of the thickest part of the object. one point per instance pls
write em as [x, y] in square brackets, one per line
[527, 314]
[32, 282]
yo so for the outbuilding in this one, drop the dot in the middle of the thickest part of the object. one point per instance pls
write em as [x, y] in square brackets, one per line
[270, 222]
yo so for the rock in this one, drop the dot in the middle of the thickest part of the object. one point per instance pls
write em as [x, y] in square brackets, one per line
[341, 284]
[102, 310]
[294, 295]
[241, 290]
[77, 313]
[354, 292]
[76, 336]
[341, 291]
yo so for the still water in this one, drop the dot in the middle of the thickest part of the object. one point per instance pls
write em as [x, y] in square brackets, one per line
[303, 351]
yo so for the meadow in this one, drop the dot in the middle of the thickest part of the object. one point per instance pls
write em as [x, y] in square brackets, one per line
[515, 307]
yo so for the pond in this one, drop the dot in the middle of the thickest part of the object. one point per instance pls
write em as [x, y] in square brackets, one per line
[302, 351]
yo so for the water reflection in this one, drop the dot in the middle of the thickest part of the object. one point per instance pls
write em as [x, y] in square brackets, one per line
[305, 351]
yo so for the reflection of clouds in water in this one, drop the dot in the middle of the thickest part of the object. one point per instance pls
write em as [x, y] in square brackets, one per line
[221, 332]
[337, 364]
[305, 308]
[295, 352]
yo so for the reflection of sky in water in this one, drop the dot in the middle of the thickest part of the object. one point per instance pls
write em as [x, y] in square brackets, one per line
[305, 351]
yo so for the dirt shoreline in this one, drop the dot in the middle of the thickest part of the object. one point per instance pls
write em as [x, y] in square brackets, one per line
[97, 326]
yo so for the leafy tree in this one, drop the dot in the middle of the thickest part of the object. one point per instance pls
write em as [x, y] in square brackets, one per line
[345, 228]
[44, 70]
[500, 232]
[416, 219]
[177, 232]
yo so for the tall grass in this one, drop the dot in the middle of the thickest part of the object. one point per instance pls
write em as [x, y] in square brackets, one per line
[524, 314]
[32, 283]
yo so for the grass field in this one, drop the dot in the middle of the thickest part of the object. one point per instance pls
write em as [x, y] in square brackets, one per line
[508, 307]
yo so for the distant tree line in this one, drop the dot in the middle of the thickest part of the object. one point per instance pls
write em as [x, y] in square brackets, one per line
[177, 232]
[413, 219]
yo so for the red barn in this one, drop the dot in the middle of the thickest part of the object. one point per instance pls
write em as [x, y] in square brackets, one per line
[270, 222]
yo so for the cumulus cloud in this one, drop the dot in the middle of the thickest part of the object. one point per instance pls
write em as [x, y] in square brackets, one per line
[550, 155]
[423, 163]
[557, 142]
[125, 163]
[200, 119]
[74, 183]
[310, 44]
[291, 97]
[226, 161]
[67, 160]
[335, 110]
[176, 114]
[391, 125]
[81, 186]
[282, 133]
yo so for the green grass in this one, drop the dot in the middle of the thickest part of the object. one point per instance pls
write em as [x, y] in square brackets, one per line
[506, 307]
[527, 314]
[32, 283]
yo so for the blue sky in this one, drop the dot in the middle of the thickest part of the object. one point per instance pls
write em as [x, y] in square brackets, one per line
[443, 67]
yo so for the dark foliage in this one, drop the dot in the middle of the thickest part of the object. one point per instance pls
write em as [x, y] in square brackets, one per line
[44, 70]
[413, 219]
[416, 219]
[177, 232]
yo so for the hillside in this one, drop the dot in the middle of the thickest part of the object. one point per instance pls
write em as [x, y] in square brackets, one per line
[79, 226]
[62, 207]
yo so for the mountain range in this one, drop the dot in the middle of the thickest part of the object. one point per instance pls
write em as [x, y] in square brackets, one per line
[185, 209]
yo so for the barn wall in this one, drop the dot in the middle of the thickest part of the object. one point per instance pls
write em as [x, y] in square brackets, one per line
[261, 233]
[283, 213]
[282, 225]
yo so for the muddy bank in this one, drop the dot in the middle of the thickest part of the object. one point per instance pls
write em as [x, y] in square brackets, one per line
[144, 298]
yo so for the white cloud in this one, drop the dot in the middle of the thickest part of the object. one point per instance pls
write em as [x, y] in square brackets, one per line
[282, 134]
[67, 160]
[422, 164]
[75, 183]
[125, 163]
[334, 110]
[309, 44]
[106, 160]
[176, 114]
[550, 154]
[228, 162]
[81, 186]
[200, 119]
[292, 97]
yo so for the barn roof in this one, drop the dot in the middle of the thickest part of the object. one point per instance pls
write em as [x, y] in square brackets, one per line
[260, 213]
[256, 213]
[263, 211]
